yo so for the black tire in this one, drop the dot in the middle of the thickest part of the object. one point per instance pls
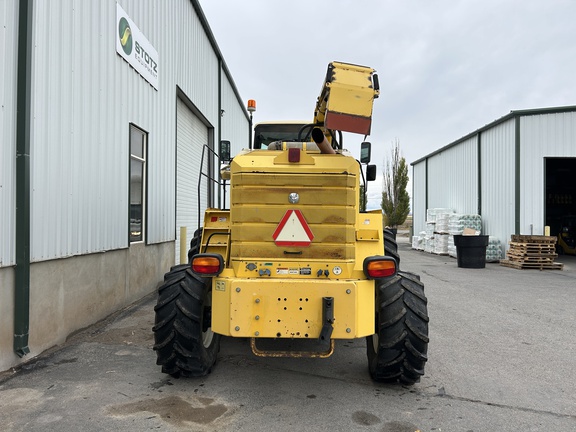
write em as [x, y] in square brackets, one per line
[398, 351]
[391, 247]
[175, 271]
[184, 342]
[195, 244]
[388, 231]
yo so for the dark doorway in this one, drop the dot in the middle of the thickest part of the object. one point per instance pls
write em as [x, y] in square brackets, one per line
[560, 187]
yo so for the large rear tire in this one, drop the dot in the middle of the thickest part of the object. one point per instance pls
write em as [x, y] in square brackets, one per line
[185, 344]
[398, 350]
[391, 246]
[195, 244]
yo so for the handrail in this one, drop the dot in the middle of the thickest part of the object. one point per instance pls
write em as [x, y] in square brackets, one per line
[209, 178]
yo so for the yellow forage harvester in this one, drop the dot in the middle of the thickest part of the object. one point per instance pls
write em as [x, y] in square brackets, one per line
[295, 263]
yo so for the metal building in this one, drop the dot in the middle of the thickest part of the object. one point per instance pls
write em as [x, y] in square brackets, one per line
[106, 107]
[517, 173]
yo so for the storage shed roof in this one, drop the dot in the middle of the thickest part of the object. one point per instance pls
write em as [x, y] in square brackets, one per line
[512, 114]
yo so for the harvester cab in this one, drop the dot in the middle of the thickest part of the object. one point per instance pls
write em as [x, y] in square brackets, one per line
[294, 265]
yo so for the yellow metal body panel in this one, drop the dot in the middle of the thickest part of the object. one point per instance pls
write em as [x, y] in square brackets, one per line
[351, 90]
[328, 197]
[248, 161]
[297, 269]
[289, 308]
[271, 291]
[216, 233]
[347, 97]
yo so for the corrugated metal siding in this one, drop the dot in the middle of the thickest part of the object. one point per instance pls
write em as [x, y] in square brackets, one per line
[188, 62]
[234, 124]
[453, 178]
[8, 67]
[235, 127]
[85, 97]
[498, 180]
[419, 196]
[195, 64]
[549, 135]
[82, 103]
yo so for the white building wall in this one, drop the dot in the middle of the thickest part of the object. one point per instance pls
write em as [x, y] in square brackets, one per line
[541, 136]
[453, 178]
[498, 180]
[235, 128]
[419, 197]
[234, 124]
[81, 117]
[8, 65]
[79, 131]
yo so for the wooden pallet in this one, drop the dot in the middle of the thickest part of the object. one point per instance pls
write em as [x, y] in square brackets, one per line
[532, 252]
[533, 247]
[515, 255]
[532, 239]
[523, 265]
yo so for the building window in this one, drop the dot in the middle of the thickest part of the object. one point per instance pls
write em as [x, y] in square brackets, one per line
[138, 144]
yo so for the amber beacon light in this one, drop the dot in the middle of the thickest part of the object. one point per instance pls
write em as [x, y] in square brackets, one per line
[251, 105]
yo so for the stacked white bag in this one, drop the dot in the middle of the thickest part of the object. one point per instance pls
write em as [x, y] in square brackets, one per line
[418, 241]
[441, 244]
[442, 225]
[493, 250]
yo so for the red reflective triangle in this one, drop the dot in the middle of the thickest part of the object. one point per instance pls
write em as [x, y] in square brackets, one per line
[293, 230]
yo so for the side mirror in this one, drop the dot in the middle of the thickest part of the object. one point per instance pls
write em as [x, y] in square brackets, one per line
[224, 151]
[365, 152]
[371, 173]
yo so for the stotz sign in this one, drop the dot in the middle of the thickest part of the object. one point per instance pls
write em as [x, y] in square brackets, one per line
[133, 46]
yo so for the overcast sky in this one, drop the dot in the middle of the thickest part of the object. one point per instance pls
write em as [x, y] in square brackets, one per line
[446, 68]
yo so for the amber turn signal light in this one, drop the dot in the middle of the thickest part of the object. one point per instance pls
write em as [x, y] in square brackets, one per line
[207, 264]
[377, 267]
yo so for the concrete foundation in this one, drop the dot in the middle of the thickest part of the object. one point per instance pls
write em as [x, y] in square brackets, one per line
[69, 294]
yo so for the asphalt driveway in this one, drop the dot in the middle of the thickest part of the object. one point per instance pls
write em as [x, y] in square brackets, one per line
[502, 357]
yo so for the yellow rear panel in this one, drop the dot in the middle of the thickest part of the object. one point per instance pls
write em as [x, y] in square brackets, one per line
[288, 308]
[328, 200]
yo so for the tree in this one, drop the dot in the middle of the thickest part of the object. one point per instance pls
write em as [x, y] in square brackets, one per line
[363, 199]
[395, 198]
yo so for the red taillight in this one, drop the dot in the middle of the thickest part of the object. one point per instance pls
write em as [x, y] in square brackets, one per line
[294, 155]
[210, 265]
[379, 267]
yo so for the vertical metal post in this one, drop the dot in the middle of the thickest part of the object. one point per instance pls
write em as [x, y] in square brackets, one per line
[183, 243]
[517, 185]
[479, 167]
[23, 115]
[250, 132]
[219, 137]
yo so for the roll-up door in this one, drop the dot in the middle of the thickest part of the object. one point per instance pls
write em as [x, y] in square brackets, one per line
[191, 136]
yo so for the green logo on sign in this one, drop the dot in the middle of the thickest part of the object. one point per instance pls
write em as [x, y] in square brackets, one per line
[125, 35]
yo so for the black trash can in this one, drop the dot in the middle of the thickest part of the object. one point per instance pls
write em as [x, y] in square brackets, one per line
[471, 250]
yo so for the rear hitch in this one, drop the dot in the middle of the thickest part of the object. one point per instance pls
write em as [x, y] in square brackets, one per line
[327, 318]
